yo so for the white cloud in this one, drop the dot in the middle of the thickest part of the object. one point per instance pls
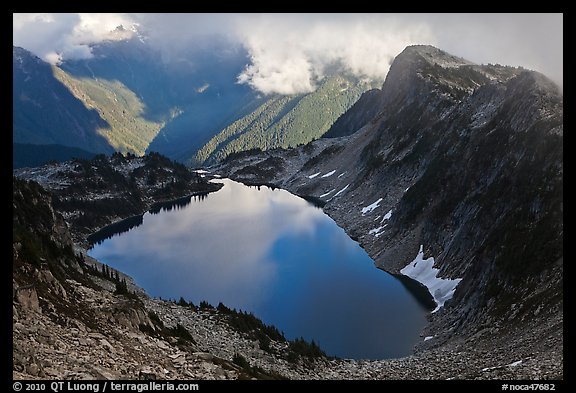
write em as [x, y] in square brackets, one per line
[54, 37]
[290, 53]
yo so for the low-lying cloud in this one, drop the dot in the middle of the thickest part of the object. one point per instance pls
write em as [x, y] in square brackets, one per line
[291, 53]
[289, 56]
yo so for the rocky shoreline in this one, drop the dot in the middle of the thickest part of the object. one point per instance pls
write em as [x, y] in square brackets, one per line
[118, 349]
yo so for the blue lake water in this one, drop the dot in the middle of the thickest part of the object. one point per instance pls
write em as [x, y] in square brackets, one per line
[274, 254]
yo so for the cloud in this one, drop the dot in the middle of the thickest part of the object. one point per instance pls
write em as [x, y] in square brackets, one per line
[291, 53]
[54, 37]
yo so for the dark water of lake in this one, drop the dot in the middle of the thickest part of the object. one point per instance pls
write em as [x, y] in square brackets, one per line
[274, 254]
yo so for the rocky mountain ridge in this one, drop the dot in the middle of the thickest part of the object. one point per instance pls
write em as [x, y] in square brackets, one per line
[462, 160]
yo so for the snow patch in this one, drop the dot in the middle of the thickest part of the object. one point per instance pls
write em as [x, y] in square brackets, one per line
[313, 176]
[341, 191]
[519, 362]
[328, 193]
[201, 171]
[342, 174]
[422, 270]
[428, 338]
[388, 215]
[371, 207]
[376, 231]
[329, 174]
[407, 188]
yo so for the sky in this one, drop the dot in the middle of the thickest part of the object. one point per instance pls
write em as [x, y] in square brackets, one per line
[289, 53]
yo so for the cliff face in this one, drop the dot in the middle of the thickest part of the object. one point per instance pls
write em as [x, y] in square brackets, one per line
[463, 160]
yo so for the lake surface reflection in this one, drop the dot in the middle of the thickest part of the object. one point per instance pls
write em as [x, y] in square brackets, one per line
[274, 254]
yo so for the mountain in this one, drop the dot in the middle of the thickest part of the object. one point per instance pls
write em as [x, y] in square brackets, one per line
[456, 181]
[366, 108]
[171, 105]
[133, 98]
[46, 112]
[451, 178]
[28, 155]
[286, 121]
[128, 98]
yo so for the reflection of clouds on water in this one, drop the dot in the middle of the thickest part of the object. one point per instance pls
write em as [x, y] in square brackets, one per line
[234, 263]
[273, 254]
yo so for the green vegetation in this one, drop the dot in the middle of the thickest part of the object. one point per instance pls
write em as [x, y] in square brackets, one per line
[129, 130]
[181, 332]
[286, 121]
[249, 324]
[301, 347]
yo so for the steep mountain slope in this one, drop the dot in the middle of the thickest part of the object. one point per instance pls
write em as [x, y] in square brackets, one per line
[462, 164]
[286, 121]
[182, 101]
[129, 131]
[132, 98]
[366, 108]
[46, 112]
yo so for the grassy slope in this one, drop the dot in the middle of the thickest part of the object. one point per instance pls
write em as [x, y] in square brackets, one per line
[286, 121]
[129, 130]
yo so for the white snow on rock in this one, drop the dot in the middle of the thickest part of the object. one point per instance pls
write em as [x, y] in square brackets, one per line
[387, 215]
[328, 193]
[519, 362]
[371, 207]
[376, 231]
[422, 270]
[329, 174]
[341, 191]
[313, 176]
[428, 338]
[201, 171]
[342, 174]
[126, 167]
